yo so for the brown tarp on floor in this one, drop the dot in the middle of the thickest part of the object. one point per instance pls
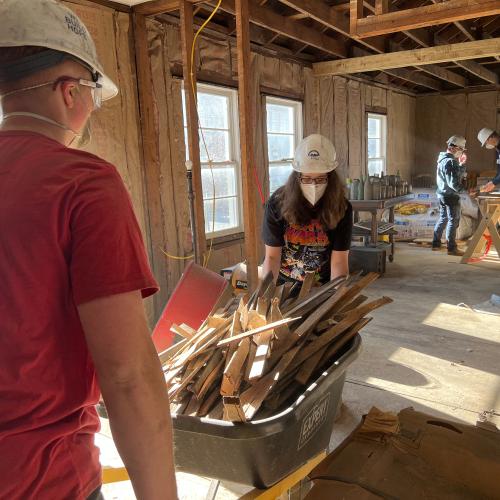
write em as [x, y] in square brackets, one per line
[411, 456]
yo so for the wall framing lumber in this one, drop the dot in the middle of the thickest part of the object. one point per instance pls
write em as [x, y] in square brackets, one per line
[246, 140]
[186, 27]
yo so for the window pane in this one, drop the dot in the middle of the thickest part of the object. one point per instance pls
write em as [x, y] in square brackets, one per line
[278, 175]
[226, 214]
[280, 147]
[217, 142]
[374, 148]
[280, 118]
[374, 127]
[213, 110]
[375, 167]
[224, 180]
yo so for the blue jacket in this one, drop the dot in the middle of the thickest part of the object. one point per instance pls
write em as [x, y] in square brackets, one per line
[449, 175]
[496, 179]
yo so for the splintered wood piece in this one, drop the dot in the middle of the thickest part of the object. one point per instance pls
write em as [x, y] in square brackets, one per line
[217, 411]
[264, 284]
[280, 397]
[287, 287]
[232, 377]
[213, 361]
[214, 375]
[316, 316]
[325, 325]
[252, 398]
[171, 373]
[256, 320]
[306, 284]
[235, 329]
[179, 330]
[309, 366]
[233, 412]
[166, 355]
[212, 339]
[191, 371]
[261, 355]
[188, 329]
[244, 316]
[262, 306]
[180, 408]
[193, 406]
[278, 293]
[281, 332]
[256, 331]
[209, 402]
[215, 321]
[252, 350]
[334, 348]
[331, 335]
[222, 300]
[360, 299]
[269, 293]
[314, 299]
[354, 290]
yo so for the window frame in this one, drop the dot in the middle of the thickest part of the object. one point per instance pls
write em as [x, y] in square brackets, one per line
[234, 154]
[383, 139]
[298, 124]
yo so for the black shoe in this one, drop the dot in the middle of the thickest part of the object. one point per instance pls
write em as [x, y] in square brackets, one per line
[456, 252]
[435, 249]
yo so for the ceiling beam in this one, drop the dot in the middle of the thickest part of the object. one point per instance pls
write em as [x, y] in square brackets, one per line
[416, 57]
[267, 18]
[414, 77]
[329, 17]
[159, 7]
[428, 15]
[445, 74]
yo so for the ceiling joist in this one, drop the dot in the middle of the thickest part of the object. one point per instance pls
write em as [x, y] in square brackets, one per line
[416, 57]
[419, 17]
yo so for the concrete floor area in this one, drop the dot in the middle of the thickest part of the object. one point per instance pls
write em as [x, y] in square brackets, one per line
[423, 350]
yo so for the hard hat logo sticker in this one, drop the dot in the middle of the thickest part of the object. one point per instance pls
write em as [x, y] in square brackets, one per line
[75, 26]
[314, 154]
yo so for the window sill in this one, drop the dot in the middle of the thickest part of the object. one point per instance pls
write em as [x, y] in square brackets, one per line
[226, 241]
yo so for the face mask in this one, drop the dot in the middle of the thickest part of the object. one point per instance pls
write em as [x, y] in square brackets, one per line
[489, 146]
[313, 192]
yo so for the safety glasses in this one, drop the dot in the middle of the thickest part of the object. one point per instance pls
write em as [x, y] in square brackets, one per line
[95, 88]
[314, 180]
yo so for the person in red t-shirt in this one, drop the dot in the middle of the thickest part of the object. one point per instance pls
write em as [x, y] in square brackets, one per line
[73, 274]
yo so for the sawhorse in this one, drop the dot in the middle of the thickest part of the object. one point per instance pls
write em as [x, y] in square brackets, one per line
[490, 210]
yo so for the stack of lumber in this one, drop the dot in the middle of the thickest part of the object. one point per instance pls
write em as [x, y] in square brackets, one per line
[257, 353]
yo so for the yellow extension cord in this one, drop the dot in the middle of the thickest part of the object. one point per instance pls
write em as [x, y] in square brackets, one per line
[206, 258]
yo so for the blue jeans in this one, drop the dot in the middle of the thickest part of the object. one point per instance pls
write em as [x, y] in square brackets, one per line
[449, 217]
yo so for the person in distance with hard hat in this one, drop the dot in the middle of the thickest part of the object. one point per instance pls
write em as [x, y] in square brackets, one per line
[449, 176]
[74, 271]
[308, 222]
[490, 139]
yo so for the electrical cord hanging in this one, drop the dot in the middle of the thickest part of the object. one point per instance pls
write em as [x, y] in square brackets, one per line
[206, 257]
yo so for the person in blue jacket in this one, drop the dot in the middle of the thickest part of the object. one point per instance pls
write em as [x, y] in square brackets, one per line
[449, 177]
[490, 139]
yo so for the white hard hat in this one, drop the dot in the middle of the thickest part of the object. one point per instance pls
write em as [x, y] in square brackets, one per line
[456, 140]
[315, 155]
[484, 135]
[47, 23]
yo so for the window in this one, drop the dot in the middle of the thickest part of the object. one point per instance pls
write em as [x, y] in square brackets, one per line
[284, 131]
[218, 113]
[376, 143]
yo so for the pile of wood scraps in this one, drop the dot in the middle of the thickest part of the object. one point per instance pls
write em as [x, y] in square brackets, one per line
[256, 353]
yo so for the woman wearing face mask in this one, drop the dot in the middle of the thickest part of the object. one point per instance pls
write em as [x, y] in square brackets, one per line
[308, 222]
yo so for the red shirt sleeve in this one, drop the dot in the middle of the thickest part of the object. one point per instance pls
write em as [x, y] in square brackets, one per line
[107, 250]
